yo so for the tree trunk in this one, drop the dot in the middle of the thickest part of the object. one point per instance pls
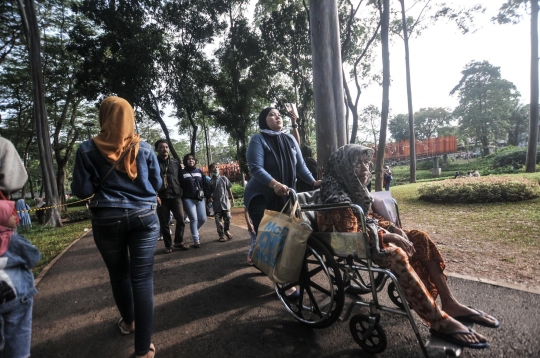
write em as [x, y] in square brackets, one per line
[327, 78]
[195, 130]
[412, 139]
[40, 116]
[239, 160]
[530, 162]
[354, 111]
[208, 152]
[485, 145]
[385, 21]
[153, 108]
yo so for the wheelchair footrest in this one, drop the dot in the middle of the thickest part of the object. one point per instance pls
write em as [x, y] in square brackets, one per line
[439, 348]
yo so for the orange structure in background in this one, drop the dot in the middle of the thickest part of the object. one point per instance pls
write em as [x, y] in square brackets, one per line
[424, 149]
[230, 170]
[393, 151]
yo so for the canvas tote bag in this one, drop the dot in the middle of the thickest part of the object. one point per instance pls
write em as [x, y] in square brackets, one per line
[281, 244]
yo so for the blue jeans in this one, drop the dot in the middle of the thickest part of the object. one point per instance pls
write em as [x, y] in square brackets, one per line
[126, 239]
[16, 331]
[196, 212]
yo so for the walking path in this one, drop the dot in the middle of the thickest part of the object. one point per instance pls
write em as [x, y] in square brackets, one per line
[209, 303]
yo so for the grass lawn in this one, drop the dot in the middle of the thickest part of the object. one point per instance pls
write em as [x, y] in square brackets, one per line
[506, 223]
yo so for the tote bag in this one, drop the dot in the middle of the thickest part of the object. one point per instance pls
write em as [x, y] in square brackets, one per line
[281, 245]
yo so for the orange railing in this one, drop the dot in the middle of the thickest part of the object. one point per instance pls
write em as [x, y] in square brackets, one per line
[425, 148]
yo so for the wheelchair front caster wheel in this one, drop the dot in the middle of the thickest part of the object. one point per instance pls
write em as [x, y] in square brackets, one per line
[394, 295]
[368, 334]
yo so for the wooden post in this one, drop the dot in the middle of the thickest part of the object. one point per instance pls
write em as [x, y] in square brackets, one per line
[327, 78]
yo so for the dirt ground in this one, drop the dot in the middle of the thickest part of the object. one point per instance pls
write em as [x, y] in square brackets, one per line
[482, 260]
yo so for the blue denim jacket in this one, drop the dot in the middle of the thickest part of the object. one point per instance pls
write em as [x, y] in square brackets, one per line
[15, 276]
[118, 190]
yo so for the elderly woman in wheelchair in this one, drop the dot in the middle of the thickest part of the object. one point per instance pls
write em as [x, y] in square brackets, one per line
[410, 254]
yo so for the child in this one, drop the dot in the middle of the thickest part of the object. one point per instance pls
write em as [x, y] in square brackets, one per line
[221, 192]
[17, 289]
[252, 235]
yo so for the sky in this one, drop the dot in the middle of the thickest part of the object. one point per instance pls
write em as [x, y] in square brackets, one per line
[441, 52]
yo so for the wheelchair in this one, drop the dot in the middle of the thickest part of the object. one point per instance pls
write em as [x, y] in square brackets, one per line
[336, 263]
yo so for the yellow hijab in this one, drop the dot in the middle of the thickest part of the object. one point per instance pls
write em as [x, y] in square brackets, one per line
[117, 122]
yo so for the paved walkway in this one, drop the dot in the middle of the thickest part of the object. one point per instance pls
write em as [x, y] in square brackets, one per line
[209, 303]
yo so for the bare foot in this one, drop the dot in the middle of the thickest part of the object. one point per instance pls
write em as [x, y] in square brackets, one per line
[452, 326]
[471, 315]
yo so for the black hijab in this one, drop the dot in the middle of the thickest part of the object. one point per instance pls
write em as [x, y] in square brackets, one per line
[282, 146]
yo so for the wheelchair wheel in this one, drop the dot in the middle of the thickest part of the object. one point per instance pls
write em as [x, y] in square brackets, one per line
[359, 283]
[369, 336]
[320, 286]
[394, 295]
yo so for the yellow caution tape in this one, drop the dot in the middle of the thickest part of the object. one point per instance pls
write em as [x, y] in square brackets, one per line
[55, 206]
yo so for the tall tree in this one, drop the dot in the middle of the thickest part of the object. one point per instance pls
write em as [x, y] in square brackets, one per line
[486, 101]
[28, 13]
[519, 121]
[384, 8]
[10, 27]
[241, 84]
[412, 141]
[327, 78]
[370, 120]
[399, 127]
[359, 36]
[121, 46]
[509, 13]
[428, 120]
[285, 62]
[191, 26]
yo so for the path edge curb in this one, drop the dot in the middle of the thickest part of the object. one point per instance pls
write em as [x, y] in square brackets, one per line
[46, 269]
[534, 290]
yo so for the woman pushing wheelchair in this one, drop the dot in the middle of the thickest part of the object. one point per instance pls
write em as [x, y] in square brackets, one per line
[410, 254]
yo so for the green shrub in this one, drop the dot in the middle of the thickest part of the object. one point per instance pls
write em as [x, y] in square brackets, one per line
[237, 191]
[480, 190]
[512, 157]
[78, 215]
[426, 164]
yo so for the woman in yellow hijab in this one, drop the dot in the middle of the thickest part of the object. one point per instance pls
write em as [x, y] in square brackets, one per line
[122, 173]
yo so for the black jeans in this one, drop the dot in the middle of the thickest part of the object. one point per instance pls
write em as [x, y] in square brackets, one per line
[256, 209]
[174, 205]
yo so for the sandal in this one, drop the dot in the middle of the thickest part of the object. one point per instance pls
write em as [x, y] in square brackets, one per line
[229, 235]
[222, 239]
[450, 337]
[168, 250]
[183, 247]
[151, 349]
[196, 245]
[471, 318]
[122, 327]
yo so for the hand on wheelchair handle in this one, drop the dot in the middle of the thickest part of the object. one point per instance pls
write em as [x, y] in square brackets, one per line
[281, 190]
[401, 242]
